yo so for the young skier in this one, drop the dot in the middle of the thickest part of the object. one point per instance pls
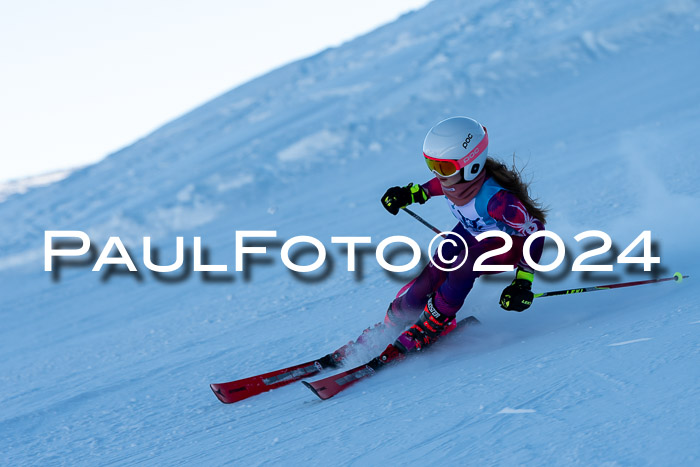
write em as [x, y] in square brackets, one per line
[483, 194]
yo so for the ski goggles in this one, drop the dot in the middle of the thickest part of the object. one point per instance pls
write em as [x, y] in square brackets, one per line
[449, 167]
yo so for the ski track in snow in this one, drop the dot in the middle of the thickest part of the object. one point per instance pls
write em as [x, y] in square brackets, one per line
[634, 341]
[508, 410]
[597, 99]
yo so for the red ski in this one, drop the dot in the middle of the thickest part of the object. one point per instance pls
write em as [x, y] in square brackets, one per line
[241, 389]
[238, 390]
[328, 387]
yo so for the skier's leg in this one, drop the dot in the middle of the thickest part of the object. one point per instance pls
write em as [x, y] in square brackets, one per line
[454, 290]
[406, 308]
[441, 308]
[401, 312]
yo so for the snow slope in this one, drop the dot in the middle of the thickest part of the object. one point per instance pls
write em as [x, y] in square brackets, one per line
[22, 185]
[599, 99]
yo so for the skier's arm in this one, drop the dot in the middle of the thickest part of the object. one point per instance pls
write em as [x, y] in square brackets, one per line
[505, 207]
[432, 187]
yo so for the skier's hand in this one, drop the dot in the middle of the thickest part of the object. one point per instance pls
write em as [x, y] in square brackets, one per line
[398, 197]
[518, 296]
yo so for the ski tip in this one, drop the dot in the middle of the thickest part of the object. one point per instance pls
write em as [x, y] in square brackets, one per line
[472, 320]
[216, 388]
[465, 322]
[217, 392]
[468, 321]
[313, 389]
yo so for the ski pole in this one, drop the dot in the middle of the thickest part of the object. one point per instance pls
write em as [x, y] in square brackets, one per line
[678, 277]
[423, 221]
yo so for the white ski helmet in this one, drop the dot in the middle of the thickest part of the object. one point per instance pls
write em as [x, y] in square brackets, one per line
[456, 143]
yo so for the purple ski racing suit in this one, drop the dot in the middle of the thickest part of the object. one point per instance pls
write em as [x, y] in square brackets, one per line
[493, 208]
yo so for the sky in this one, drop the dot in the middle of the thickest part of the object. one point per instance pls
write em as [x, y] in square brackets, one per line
[80, 79]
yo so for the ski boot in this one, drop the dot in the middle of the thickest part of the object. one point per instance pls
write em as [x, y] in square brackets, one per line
[430, 326]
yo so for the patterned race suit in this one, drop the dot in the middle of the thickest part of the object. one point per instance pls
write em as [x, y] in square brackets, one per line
[493, 208]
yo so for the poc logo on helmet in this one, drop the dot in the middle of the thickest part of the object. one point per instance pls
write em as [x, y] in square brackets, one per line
[466, 142]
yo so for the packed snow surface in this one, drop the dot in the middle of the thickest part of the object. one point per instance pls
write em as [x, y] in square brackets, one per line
[599, 100]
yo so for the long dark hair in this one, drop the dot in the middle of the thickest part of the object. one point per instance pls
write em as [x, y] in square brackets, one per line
[511, 179]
